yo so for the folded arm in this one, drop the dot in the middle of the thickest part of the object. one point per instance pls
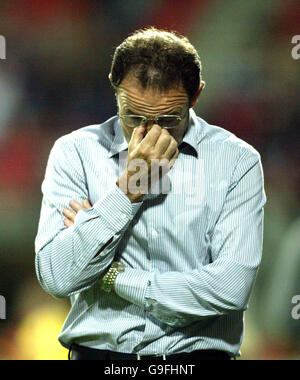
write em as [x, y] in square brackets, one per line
[71, 259]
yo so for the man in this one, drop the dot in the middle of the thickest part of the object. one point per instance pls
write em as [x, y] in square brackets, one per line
[152, 221]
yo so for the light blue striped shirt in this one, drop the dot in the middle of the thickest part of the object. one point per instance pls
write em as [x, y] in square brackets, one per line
[191, 252]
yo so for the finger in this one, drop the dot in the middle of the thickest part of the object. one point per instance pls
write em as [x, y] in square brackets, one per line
[87, 204]
[68, 222]
[152, 136]
[69, 214]
[137, 136]
[76, 205]
[173, 159]
[163, 142]
[171, 149]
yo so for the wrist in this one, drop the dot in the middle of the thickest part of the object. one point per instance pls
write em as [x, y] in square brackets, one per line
[122, 183]
[109, 279]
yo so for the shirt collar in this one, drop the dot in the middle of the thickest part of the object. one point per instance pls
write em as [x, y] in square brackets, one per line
[192, 137]
[119, 143]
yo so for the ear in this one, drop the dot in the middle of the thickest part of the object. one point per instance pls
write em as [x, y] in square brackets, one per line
[196, 97]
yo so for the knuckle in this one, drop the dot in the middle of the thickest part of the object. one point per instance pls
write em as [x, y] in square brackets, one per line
[171, 149]
[165, 134]
[166, 138]
[174, 140]
[155, 130]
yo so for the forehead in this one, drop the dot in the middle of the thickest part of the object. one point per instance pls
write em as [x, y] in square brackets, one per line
[151, 101]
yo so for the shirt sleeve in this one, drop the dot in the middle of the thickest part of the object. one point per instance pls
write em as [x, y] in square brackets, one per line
[67, 260]
[224, 285]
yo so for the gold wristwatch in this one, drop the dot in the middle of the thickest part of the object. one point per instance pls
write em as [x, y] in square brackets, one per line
[109, 279]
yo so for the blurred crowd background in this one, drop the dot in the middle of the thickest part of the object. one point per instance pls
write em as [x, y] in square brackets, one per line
[54, 80]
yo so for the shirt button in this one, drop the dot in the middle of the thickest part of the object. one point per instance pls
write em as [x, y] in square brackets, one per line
[154, 233]
[124, 216]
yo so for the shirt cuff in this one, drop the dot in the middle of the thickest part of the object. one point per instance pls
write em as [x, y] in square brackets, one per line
[132, 285]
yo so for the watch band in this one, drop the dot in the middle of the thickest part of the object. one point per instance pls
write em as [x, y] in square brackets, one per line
[109, 278]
